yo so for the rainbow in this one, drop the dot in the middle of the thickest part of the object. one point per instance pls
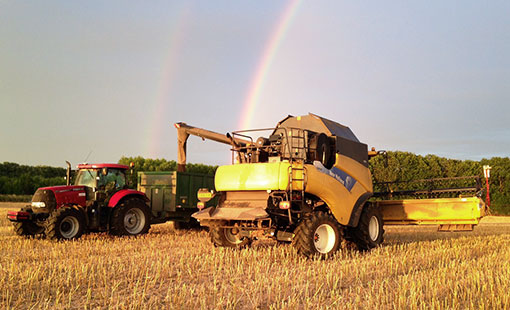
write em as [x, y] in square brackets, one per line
[270, 50]
[158, 122]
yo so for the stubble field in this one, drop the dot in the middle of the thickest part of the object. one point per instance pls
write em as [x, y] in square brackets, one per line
[415, 268]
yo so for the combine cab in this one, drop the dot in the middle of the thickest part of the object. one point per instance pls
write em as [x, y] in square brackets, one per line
[307, 182]
[98, 201]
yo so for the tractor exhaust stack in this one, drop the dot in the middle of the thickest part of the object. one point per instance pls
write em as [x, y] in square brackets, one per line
[68, 173]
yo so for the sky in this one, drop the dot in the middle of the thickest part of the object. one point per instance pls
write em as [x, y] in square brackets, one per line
[96, 80]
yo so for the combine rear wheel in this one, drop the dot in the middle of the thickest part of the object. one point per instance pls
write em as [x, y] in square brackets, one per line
[131, 217]
[318, 235]
[27, 229]
[369, 232]
[65, 223]
[229, 237]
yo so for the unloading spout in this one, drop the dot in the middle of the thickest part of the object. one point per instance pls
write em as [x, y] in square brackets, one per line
[183, 132]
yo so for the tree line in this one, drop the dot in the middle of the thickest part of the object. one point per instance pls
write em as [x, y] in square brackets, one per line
[394, 167]
[16, 179]
[403, 167]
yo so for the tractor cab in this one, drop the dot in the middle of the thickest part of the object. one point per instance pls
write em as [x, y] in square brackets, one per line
[101, 181]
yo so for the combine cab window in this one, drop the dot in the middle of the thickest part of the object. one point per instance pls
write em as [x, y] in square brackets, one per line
[86, 177]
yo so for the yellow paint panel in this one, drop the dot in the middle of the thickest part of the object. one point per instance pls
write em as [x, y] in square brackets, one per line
[260, 176]
[467, 210]
[333, 193]
[356, 170]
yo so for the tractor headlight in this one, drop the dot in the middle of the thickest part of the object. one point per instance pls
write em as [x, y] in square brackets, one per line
[38, 204]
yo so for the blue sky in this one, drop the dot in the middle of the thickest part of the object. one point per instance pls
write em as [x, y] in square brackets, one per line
[111, 77]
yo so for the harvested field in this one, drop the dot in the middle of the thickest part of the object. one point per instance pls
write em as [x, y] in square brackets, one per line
[416, 268]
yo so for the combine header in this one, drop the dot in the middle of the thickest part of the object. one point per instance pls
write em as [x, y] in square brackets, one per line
[451, 203]
[308, 182]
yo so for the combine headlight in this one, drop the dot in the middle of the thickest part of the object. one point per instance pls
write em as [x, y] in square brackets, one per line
[284, 205]
[38, 204]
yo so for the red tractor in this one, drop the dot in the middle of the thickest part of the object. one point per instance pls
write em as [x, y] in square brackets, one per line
[99, 201]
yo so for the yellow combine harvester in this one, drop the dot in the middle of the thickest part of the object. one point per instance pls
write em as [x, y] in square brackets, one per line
[308, 182]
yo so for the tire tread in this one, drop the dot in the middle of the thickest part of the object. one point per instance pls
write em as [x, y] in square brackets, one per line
[117, 220]
[360, 235]
[304, 234]
[51, 227]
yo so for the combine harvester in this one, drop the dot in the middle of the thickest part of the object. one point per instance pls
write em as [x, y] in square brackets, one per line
[308, 182]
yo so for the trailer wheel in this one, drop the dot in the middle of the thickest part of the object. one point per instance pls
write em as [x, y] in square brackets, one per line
[131, 217]
[321, 151]
[318, 235]
[65, 223]
[370, 231]
[228, 237]
[27, 228]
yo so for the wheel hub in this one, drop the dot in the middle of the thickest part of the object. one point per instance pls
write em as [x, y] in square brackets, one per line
[324, 238]
[69, 227]
[134, 221]
[373, 228]
[232, 236]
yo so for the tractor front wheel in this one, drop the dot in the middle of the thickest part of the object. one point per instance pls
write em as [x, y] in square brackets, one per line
[318, 235]
[131, 217]
[229, 237]
[27, 228]
[65, 223]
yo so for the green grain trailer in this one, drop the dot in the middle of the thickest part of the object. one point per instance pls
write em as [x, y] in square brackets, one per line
[172, 194]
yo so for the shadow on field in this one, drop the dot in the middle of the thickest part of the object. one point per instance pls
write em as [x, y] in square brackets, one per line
[175, 229]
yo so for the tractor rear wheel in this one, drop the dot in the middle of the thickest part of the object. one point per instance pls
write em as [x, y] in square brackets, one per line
[65, 223]
[27, 228]
[229, 237]
[131, 217]
[369, 232]
[318, 235]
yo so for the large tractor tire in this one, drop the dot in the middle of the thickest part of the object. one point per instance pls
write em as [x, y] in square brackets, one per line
[369, 232]
[229, 237]
[131, 217]
[321, 151]
[65, 223]
[27, 229]
[318, 235]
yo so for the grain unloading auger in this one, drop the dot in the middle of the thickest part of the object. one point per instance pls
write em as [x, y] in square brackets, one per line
[308, 182]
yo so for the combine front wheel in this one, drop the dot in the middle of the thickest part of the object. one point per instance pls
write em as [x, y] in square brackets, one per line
[318, 235]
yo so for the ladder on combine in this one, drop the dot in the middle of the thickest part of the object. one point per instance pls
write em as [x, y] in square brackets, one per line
[297, 155]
